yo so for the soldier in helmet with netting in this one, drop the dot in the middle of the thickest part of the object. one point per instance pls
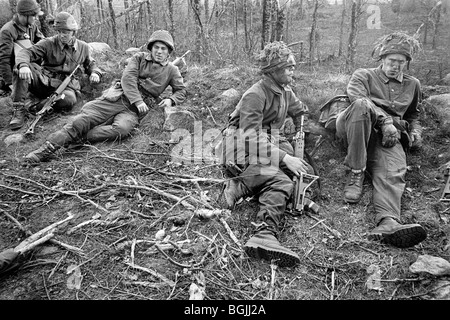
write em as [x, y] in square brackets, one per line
[264, 164]
[42, 68]
[378, 128]
[117, 112]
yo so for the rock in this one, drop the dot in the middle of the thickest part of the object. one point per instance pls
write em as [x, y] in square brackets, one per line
[132, 50]
[99, 47]
[441, 104]
[13, 138]
[440, 290]
[178, 118]
[445, 81]
[231, 93]
[429, 264]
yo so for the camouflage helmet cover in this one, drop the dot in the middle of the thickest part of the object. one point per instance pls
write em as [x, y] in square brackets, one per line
[65, 21]
[162, 36]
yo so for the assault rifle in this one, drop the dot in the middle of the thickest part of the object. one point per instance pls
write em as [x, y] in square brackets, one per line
[50, 101]
[302, 183]
[446, 193]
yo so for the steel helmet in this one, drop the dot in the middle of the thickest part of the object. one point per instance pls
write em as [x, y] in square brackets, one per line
[65, 21]
[28, 8]
[163, 36]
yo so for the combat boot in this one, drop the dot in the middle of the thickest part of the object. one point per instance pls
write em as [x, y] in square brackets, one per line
[43, 153]
[264, 245]
[19, 115]
[354, 188]
[401, 236]
[234, 190]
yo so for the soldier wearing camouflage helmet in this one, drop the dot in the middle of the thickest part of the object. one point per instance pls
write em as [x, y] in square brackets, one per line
[115, 114]
[267, 163]
[60, 55]
[379, 127]
[21, 29]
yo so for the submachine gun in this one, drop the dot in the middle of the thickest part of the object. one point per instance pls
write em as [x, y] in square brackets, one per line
[50, 101]
[304, 181]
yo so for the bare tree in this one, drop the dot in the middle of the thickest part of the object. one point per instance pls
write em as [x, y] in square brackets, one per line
[201, 38]
[341, 28]
[113, 23]
[150, 17]
[266, 8]
[356, 12]
[313, 33]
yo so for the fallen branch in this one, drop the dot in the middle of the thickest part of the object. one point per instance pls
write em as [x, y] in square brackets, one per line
[230, 232]
[153, 273]
[334, 232]
[53, 241]
[34, 239]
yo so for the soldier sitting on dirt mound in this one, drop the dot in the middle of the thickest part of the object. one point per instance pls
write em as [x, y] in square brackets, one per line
[379, 125]
[21, 31]
[117, 112]
[265, 163]
[59, 55]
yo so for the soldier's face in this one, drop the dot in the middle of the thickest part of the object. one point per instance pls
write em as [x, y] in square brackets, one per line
[160, 52]
[283, 76]
[393, 64]
[65, 35]
[27, 20]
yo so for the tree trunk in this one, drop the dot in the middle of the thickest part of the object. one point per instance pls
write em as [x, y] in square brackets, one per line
[341, 29]
[171, 22]
[207, 10]
[246, 35]
[113, 24]
[150, 17]
[312, 34]
[352, 39]
[201, 39]
[279, 25]
[265, 22]
[127, 16]
[435, 25]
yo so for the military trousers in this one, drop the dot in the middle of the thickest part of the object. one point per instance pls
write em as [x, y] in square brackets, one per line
[356, 126]
[42, 87]
[99, 120]
[273, 185]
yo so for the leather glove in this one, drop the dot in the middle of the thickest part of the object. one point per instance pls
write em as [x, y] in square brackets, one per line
[390, 133]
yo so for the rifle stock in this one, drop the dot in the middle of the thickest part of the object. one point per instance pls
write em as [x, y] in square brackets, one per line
[305, 180]
[48, 106]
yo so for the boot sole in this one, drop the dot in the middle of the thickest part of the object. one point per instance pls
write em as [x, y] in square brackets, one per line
[403, 238]
[282, 259]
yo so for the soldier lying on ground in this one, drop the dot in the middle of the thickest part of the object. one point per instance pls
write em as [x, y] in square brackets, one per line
[117, 112]
[59, 55]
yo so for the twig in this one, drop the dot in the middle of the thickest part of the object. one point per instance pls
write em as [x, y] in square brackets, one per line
[212, 117]
[428, 292]
[171, 260]
[230, 233]
[45, 286]
[332, 286]
[57, 265]
[273, 268]
[153, 273]
[20, 190]
[334, 232]
[154, 223]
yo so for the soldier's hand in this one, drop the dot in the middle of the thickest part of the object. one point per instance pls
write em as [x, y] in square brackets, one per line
[390, 135]
[25, 74]
[94, 78]
[295, 164]
[142, 108]
[165, 103]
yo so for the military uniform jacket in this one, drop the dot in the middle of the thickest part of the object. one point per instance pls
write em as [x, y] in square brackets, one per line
[399, 98]
[59, 60]
[9, 33]
[260, 115]
[144, 77]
